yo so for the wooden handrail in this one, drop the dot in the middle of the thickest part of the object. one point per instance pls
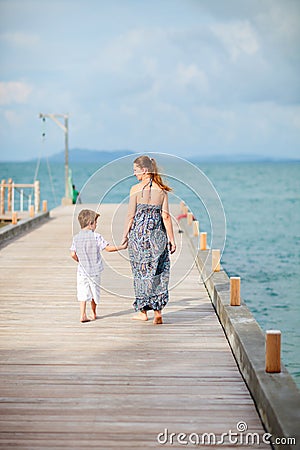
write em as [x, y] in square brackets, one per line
[11, 186]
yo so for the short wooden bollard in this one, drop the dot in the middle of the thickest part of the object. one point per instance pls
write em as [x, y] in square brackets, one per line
[273, 349]
[37, 195]
[215, 260]
[31, 211]
[203, 239]
[14, 218]
[235, 287]
[195, 228]
[45, 206]
[190, 218]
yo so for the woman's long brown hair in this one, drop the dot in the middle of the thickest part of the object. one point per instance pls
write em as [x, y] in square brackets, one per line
[150, 164]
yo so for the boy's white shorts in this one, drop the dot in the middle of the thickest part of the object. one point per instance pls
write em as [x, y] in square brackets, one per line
[88, 288]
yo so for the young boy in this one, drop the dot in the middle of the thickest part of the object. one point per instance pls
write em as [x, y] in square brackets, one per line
[86, 250]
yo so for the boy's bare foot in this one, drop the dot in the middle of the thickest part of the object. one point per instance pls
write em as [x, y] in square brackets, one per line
[93, 316]
[84, 320]
[141, 315]
[94, 308]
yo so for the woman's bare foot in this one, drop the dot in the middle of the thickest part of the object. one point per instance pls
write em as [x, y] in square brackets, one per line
[157, 318]
[141, 315]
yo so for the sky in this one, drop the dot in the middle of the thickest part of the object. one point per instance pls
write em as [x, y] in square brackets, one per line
[185, 77]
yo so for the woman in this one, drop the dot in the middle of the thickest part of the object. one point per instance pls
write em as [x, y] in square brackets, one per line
[148, 230]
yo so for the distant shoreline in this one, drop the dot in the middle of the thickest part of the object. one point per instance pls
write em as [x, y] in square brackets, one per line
[193, 161]
[98, 156]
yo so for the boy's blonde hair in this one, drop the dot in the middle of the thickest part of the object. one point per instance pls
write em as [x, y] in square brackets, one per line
[87, 217]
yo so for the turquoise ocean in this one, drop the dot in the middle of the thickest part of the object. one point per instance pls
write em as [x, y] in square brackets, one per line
[261, 202]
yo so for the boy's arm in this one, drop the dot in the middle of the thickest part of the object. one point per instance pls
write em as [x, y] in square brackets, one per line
[115, 248]
[74, 256]
[104, 245]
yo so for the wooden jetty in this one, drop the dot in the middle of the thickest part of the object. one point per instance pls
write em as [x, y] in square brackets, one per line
[112, 383]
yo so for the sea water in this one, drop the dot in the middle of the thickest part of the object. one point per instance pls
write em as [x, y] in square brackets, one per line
[261, 204]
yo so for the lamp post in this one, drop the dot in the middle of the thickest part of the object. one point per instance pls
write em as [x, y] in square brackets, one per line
[67, 200]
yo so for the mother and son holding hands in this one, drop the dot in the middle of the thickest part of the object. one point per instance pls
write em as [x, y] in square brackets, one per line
[149, 236]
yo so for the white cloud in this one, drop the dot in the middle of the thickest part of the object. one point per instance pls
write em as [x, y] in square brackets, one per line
[128, 110]
[19, 39]
[120, 51]
[11, 117]
[191, 75]
[238, 38]
[14, 92]
[163, 76]
[295, 119]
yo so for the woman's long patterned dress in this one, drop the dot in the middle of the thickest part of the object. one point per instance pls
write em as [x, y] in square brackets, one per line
[149, 258]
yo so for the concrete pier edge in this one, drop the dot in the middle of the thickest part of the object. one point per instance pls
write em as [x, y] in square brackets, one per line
[276, 396]
[12, 231]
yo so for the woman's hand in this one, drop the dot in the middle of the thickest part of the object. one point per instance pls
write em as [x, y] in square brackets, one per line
[124, 241]
[172, 247]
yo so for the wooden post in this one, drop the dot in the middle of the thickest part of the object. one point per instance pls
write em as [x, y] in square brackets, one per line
[31, 211]
[9, 195]
[68, 194]
[273, 347]
[203, 237]
[235, 287]
[14, 218]
[13, 197]
[182, 206]
[45, 206]
[215, 260]
[190, 218]
[186, 210]
[21, 200]
[195, 228]
[2, 197]
[37, 196]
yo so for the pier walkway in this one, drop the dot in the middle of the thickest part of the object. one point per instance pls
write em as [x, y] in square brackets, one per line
[112, 383]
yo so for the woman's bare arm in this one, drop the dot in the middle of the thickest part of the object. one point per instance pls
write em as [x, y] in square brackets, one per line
[130, 213]
[167, 220]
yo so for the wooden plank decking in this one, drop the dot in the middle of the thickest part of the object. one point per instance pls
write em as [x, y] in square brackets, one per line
[113, 383]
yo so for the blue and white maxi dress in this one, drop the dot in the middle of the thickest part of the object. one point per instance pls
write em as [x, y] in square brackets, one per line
[149, 258]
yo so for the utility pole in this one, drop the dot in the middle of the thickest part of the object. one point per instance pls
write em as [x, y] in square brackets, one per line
[67, 200]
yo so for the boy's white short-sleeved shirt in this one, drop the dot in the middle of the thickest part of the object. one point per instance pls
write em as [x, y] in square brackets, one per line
[88, 246]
